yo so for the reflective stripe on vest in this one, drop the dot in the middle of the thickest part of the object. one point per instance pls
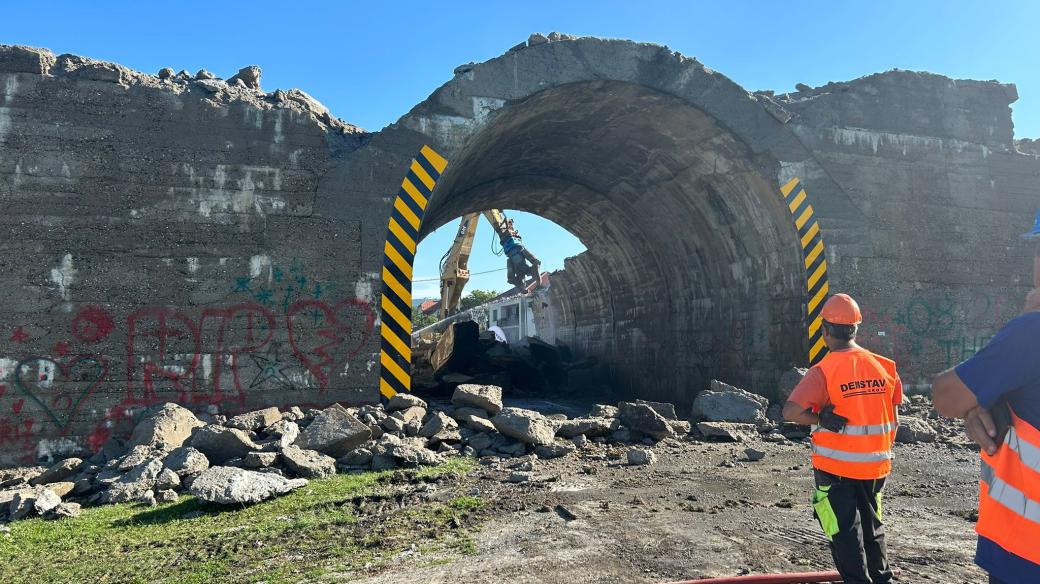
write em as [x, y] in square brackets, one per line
[1009, 493]
[1008, 496]
[846, 456]
[872, 430]
[1028, 453]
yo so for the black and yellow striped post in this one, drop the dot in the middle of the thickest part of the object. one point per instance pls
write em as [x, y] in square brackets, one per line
[811, 239]
[402, 235]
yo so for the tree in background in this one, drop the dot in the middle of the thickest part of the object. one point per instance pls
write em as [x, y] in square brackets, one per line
[420, 320]
[476, 298]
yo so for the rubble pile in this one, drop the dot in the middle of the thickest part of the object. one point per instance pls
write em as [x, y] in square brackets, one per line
[266, 453]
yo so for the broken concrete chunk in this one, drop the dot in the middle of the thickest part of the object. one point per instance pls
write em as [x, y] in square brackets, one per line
[44, 500]
[234, 486]
[253, 421]
[754, 454]
[356, 457]
[64, 511]
[526, 426]
[57, 472]
[309, 464]
[61, 488]
[201, 74]
[790, 378]
[221, 444]
[186, 460]
[537, 39]
[725, 403]
[411, 454]
[166, 73]
[437, 423]
[641, 456]
[260, 459]
[249, 76]
[485, 397]
[334, 432]
[554, 450]
[666, 410]
[403, 401]
[603, 411]
[591, 427]
[20, 59]
[913, 430]
[165, 426]
[728, 431]
[167, 496]
[478, 423]
[644, 419]
[286, 432]
[166, 480]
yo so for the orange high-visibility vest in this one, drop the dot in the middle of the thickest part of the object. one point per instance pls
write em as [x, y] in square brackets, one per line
[861, 386]
[1009, 492]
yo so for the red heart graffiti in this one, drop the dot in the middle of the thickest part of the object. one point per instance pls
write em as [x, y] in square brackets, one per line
[336, 333]
[37, 378]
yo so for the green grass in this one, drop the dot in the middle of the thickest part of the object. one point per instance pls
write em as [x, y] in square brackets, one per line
[312, 532]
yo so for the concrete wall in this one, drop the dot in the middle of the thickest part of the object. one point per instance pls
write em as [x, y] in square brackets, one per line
[217, 245]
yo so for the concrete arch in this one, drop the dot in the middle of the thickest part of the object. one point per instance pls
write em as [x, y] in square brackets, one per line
[666, 171]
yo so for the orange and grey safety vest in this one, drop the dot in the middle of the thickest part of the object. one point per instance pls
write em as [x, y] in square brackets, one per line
[861, 385]
[1009, 492]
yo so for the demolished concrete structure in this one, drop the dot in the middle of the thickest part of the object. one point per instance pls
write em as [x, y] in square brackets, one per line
[194, 240]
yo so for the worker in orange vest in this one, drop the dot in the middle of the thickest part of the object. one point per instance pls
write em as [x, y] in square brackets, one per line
[997, 392]
[850, 399]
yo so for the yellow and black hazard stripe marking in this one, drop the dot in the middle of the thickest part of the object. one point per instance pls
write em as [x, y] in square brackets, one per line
[402, 235]
[811, 239]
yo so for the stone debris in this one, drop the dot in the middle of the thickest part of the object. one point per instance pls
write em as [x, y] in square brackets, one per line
[913, 430]
[254, 421]
[235, 486]
[728, 431]
[335, 432]
[485, 397]
[525, 425]
[57, 472]
[725, 403]
[640, 417]
[754, 454]
[166, 426]
[641, 456]
[309, 464]
[260, 454]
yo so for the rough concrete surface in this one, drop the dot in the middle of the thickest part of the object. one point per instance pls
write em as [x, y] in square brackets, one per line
[202, 241]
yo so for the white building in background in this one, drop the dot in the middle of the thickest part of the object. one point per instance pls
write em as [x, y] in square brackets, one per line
[504, 311]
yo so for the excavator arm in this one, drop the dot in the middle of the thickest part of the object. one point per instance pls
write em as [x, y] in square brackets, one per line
[455, 265]
[521, 264]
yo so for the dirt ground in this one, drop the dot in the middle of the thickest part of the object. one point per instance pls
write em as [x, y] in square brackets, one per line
[702, 510]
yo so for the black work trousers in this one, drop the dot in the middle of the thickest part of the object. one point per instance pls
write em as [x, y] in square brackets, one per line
[849, 510]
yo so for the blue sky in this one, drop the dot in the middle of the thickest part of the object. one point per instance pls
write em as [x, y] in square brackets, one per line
[370, 62]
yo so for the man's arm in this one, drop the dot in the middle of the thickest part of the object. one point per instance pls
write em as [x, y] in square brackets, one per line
[953, 399]
[800, 414]
[951, 396]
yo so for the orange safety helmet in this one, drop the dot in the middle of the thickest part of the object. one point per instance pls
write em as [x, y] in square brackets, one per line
[841, 309]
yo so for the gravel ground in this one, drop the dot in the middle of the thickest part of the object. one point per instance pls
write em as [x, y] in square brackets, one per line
[701, 510]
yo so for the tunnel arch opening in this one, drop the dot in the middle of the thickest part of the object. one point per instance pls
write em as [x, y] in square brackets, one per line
[692, 269]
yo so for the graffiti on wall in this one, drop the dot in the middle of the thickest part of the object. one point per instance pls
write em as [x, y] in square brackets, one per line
[929, 332]
[281, 331]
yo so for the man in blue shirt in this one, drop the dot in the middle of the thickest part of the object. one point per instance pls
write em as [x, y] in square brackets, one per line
[1004, 374]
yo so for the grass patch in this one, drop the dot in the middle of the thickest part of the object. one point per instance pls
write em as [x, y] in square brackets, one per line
[313, 531]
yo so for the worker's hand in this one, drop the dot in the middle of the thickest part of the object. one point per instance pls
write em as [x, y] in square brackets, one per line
[979, 426]
[832, 421]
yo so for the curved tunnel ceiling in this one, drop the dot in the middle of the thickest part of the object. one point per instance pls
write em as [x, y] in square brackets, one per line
[687, 239]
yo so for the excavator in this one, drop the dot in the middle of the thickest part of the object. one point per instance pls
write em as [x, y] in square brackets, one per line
[522, 267]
